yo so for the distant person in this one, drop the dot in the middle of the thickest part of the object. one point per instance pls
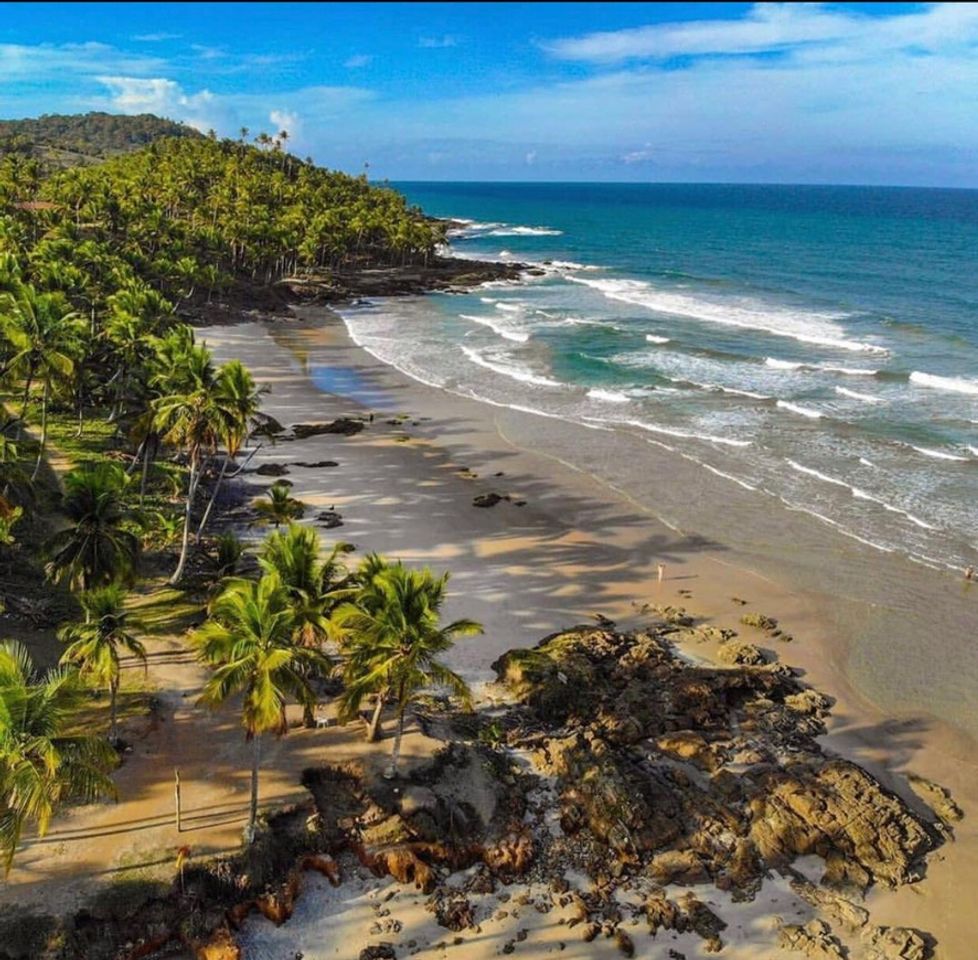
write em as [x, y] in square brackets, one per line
[969, 574]
[661, 571]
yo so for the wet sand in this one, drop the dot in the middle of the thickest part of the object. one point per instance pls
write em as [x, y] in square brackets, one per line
[577, 547]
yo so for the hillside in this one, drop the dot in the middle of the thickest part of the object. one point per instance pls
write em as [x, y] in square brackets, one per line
[60, 141]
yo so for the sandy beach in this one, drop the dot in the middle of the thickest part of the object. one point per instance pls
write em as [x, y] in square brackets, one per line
[562, 548]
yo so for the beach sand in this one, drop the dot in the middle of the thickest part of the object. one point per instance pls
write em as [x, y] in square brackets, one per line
[578, 547]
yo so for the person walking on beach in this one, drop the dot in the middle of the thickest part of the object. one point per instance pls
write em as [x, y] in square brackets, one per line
[661, 571]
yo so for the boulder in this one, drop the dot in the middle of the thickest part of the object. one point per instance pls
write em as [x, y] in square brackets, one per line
[345, 426]
[759, 621]
[736, 652]
[272, 470]
[486, 500]
[691, 747]
[840, 812]
[452, 911]
[814, 940]
[378, 951]
[683, 867]
[937, 798]
[844, 913]
[329, 519]
[895, 943]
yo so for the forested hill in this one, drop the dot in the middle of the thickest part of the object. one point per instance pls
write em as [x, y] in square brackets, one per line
[70, 140]
[201, 218]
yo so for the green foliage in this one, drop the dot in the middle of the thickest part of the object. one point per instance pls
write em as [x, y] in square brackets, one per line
[230, 549]
[314, 586]
[45, 762]
[280, 507]
[249, 641]
[393, 638]
[95, 645]
[68, 140]
[95, 549]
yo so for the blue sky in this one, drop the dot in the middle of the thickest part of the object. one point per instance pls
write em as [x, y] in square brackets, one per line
[811, 93]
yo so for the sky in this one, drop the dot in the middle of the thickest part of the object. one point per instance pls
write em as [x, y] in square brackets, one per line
[881, 93]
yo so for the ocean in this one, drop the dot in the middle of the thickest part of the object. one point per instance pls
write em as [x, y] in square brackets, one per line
[816, 347]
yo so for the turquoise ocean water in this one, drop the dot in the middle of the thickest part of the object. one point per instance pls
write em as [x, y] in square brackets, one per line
[817, 346]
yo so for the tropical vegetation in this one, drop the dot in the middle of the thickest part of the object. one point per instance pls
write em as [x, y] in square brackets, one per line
[119, 430]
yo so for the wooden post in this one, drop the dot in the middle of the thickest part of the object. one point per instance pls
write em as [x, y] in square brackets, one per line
[176, 796]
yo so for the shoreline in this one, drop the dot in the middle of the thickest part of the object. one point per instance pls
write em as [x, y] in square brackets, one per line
[582, 530]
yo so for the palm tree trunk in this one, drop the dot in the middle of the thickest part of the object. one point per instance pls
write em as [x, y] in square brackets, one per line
[44, 432]
[24, 404]
[253, 814]
[113, 689]
[214, 493]
[136, 458]
[374, 730]
[184, 549]
[142, 482]
[396, 752]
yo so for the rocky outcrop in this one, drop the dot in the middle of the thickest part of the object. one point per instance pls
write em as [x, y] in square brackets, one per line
[895, 943]
[272, 470]
[345, 426]
[440, 273]
[689, 773]
[813, 940]
[937, 798]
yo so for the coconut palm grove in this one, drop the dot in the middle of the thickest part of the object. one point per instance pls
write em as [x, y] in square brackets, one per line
[119, 432]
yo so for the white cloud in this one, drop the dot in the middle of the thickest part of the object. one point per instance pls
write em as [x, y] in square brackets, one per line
[164, 97]
[777, 27]
[207, 53]
[438, 43]
[226, 113]
[531, 157]
[155, 37]
[47, 62]
[358, 60]
[290, 122]
[638, 156]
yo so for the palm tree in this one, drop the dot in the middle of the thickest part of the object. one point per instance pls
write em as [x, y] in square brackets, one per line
[314, 586]
[191, 418]
[95, 549]
[95, 645]
[280, 507]
[249, 642]
[393, 639]
[238, 401]
[43, 333]
[46, 761]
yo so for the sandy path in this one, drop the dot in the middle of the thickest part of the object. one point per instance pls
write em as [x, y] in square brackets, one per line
[136, 838]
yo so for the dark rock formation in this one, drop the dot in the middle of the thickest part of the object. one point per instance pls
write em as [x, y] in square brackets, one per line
[691, 773]
[344, 425]
[272, 470]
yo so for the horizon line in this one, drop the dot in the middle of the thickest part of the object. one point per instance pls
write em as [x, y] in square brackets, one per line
[689, 183]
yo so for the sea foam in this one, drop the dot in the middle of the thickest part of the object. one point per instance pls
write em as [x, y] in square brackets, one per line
[512, 370]
[609, 396]
[954, 384]
[802, 411]
[509, 333]
[855, 395]
[743, 312]
[938, 454]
